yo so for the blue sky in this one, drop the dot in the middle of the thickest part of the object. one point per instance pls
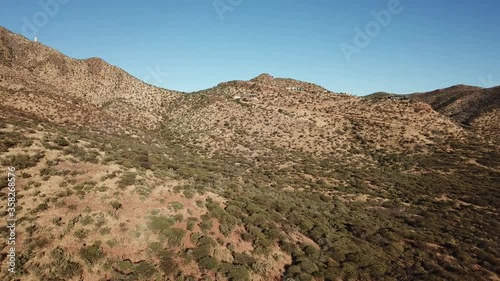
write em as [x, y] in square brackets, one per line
[190, 45]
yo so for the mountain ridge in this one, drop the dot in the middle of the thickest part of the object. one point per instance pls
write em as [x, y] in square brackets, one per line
[126, 99]
[91, 80]
[264, 179]
[467, 105]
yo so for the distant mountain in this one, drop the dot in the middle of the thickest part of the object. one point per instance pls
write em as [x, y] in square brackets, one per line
[467, 105]
[297, 115]
[384, 95]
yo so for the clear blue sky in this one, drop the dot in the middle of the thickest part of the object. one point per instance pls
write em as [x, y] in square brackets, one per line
[427, 44]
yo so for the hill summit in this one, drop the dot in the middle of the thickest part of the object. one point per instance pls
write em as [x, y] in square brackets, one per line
[264, 78]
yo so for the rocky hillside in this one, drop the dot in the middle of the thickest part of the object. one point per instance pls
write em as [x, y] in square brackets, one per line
[250, 117]
[36, 75]
[467, 105]
[265, 179]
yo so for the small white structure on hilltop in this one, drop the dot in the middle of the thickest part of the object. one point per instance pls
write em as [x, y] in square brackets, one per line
[245, 97]
[295, 89]
[36, 38]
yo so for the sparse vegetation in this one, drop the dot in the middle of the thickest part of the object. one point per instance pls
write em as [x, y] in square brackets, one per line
[81, 234]
[92, 254]
[309, 186]
[127, 179]
[22, 161]
[116, 205]
[61, 141]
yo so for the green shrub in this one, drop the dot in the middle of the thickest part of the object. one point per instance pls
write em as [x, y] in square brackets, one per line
[176, 206]
[12, 139]
[100, 221]
[160, 224]
[61, 141]
[112, 242]
[239, 273]
[168, 266]
[41, 207]
[188, 194]
[87, 220]
[175, 236]
[83, 154]
[125, 265]
[206, 225]
[127, 179]
[105, 230]
[63, 266]
[81, 234]
[191, 223]
[144, 270]
[57, 221]
[93, 253]
[22, 161]
[202, 251]
[243, 259]
[116, 205]
[208, 263]
[206, 240]
[3, 181]
[308, 267]
[178, 217]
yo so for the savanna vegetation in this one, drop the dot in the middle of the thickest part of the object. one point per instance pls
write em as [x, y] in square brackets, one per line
[411, 216]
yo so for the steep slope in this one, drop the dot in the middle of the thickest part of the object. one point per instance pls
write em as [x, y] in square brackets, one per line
[467, 105]
[30, 72]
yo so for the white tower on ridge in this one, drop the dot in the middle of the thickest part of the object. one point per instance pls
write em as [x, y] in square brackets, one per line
[36, 38]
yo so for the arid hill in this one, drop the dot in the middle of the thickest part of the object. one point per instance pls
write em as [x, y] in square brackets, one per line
[246, 117]
[265, 179]
[467, 105]
[89, 91]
